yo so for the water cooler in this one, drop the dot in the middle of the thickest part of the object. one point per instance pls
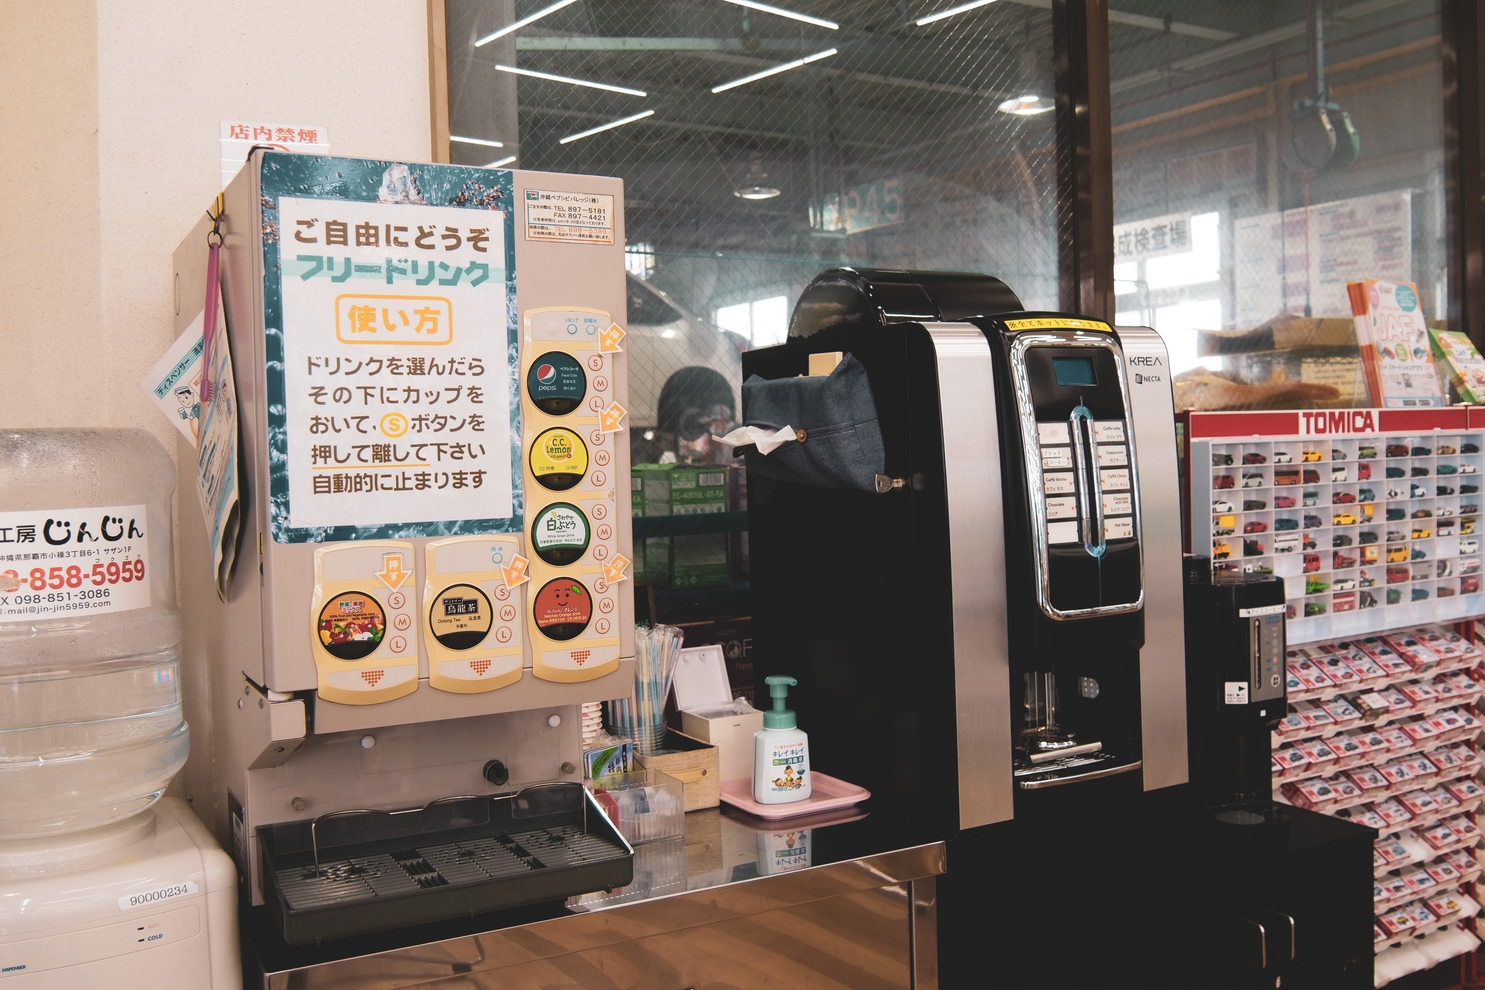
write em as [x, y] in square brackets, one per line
[100, 879]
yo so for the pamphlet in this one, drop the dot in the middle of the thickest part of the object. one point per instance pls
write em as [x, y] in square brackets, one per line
[1396, 354]
[174, 383]
[1460, 362]
[216, 459]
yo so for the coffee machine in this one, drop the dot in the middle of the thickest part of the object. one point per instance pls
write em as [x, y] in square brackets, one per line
[385, 692]
[991, 635]
[1236, 688]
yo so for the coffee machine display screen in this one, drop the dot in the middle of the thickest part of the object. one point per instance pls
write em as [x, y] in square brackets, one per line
[1074, 371]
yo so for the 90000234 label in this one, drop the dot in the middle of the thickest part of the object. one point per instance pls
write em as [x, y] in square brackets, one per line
[64, 562]
[150, 898]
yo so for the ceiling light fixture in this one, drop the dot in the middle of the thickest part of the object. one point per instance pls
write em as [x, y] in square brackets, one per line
[504, 161]
[528, 19]
[1027, 105]
[571, 81]
[792, 15]
[754, 187]
[482, 142]
[774, 71]
[962, 8]
[605, 127]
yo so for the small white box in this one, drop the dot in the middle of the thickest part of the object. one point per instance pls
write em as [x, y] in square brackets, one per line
[701, 692]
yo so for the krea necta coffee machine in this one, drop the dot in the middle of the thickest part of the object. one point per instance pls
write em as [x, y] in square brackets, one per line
[991, 639]
[430, 386]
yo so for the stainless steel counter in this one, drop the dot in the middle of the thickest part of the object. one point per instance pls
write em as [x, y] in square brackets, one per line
[846, 905]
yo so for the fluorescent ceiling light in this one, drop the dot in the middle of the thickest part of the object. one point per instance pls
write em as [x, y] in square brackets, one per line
[1027, 105]
[504, 161]
[482, 142]
[605, 127]
[774, 71]
[952, 11]
[792, 15]
[571, 81]
[528, 19]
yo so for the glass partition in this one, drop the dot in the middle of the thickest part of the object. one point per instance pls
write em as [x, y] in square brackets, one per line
[1266, 154]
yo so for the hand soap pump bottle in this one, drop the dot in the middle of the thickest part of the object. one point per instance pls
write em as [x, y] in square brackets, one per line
[781, 752]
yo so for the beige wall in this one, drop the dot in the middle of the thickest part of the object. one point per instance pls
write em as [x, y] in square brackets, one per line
[109, 126]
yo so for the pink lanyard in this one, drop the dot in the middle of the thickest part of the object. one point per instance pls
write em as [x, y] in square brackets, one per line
[213, 298]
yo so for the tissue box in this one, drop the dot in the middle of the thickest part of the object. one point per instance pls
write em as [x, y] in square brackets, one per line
[692, 762]
[702, 693]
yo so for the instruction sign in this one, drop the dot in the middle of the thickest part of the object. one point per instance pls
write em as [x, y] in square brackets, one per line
[398, 414]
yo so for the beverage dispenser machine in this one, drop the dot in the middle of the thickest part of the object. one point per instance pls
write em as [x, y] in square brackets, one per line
[988, 633]
[426, 368]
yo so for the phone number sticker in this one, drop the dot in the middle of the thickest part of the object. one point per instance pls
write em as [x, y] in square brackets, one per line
[569, 216]
[61, 562]
[150, 898]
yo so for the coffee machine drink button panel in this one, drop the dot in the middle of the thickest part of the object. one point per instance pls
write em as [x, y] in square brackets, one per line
[1062, 508]
[1052, 433]
[1062, 532]
[1057, 457]
[1058, 483]
[1067, 378]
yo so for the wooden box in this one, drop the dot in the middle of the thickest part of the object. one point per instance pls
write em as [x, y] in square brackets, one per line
[693, 763]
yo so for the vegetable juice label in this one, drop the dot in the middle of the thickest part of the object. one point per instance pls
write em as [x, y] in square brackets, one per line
[70, 562]
[352, 625]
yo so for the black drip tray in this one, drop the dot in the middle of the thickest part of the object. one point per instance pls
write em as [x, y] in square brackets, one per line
[362, 871]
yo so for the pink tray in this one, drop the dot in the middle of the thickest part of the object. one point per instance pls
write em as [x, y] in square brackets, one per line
[826, 794]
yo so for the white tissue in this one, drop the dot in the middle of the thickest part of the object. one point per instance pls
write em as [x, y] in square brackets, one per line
[767, 441]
